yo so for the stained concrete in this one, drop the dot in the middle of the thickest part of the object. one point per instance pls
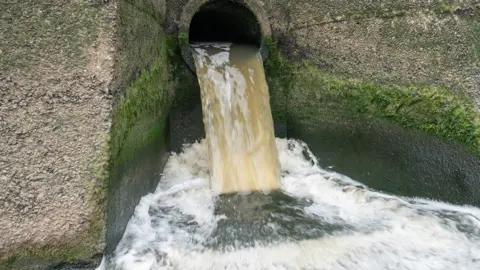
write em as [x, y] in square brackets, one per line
[400, 42]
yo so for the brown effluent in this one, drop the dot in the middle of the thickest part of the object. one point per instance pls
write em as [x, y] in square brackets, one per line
[237, 116]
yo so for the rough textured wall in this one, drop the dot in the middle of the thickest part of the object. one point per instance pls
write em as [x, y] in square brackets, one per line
[56, 61]
[402, 42]
[392, 44]
[143, 89]
[351, 70]
[140, 33]
[415, 63]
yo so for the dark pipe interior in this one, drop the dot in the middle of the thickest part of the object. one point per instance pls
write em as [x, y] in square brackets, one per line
[225, 21]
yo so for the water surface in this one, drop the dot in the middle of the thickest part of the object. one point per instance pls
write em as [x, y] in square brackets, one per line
[318, 219]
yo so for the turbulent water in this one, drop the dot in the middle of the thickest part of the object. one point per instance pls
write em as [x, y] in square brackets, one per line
[237, 118]
[312, 218]
[319, 220]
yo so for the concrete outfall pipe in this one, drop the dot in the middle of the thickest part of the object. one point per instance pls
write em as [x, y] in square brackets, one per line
[237, 21]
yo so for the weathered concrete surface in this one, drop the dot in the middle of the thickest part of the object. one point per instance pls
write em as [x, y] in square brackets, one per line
[143, 90]
[139, 36]
[420, 47]
[56, 62]
[387, 157]
[401, 42]
[87, 88]
[398, 44]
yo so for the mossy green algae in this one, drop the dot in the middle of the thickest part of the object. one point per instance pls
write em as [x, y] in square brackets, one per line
[140, 114]
[434, 109]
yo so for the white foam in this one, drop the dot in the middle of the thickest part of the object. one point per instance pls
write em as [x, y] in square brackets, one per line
[388, 232]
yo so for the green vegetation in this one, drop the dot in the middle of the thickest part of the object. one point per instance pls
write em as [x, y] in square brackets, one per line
[475, 36]
[183, 39]
[139, 115]
[435, 110]
[82, 247]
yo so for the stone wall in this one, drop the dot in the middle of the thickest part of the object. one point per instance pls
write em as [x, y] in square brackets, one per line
[415, 63]
[86, 87]
[56, 62]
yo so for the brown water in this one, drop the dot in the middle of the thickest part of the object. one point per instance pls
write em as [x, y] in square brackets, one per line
[237, 117]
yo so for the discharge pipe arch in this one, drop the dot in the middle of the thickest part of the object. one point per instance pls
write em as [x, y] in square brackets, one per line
[234, 21]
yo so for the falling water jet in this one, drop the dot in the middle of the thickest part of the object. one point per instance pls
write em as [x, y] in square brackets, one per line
[237, 118]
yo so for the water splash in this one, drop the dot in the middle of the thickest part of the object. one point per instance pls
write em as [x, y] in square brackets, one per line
[317, 220]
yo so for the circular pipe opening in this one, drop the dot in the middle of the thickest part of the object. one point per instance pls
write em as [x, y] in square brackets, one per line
[231, 21]
[221, 21]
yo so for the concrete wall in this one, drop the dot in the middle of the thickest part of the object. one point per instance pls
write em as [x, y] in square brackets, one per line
[402, 42]
[143, 90]
[88, 86]
[393, 44]
[56, 63]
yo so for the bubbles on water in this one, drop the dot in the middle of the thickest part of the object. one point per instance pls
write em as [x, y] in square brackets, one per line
[318, 220]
